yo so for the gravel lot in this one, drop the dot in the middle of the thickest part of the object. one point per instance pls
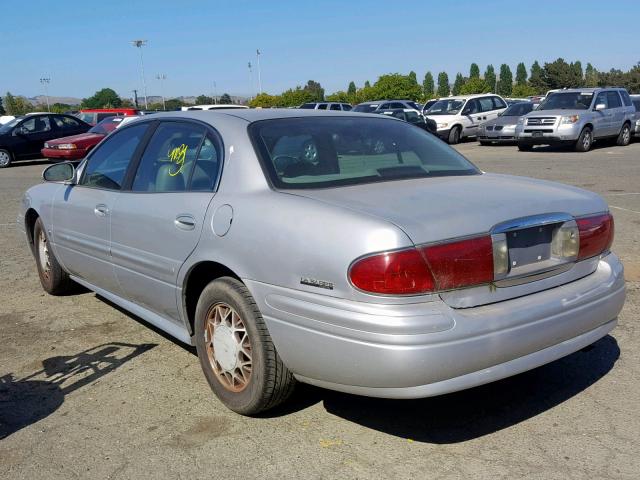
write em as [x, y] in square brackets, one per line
[90, 391]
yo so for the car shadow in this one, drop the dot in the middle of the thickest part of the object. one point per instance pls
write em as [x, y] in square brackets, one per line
[473, 413]
[26, 163]
[24, 401]
[598, 145]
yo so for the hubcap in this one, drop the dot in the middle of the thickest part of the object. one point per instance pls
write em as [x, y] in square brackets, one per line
[228, 347]
[4, 158]
[586, 141]
[43, 254]
[626, 135]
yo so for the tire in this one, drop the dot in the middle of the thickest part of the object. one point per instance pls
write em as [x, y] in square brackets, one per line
[454, 135]
[624, 137]
[484, 143]
[585, 140]
[5, 158]
[247, 374]
[523, 147]
[54, 280]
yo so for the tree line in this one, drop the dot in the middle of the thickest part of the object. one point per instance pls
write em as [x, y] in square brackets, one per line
[536, 81]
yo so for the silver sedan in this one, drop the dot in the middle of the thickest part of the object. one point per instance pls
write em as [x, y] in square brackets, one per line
[503, 128]
[354, 252]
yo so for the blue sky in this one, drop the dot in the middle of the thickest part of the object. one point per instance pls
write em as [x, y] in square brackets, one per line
[85, 45]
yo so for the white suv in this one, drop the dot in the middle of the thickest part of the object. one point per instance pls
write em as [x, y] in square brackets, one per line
[459, 117]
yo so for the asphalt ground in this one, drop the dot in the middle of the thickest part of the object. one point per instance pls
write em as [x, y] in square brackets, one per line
[90, 391]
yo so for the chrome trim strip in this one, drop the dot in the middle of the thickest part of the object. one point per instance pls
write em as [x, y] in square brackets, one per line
[532, 221]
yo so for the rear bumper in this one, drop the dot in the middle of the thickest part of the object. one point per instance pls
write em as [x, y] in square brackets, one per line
[423, 349]
[55, 154]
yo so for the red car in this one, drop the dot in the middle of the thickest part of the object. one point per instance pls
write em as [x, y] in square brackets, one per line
[76, 147]
[94, 116]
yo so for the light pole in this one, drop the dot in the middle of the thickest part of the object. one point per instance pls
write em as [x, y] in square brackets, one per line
[259, 72]
[162, 77]
[250, 81]
[215, 94]
[45, 81]
[139, 44]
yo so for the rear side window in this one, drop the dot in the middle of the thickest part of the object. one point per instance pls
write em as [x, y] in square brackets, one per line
[412, 117]
[614, 99]
[108, 164]
[66, 123]
[207, 170]
[169, 158]
[316, 152]
[397, 105]
[346, 107]
[626, 98]
[335, 106]
[87, 117]
[322, 106]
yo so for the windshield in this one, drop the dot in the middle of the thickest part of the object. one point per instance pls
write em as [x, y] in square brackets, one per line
[518, 109]
[365, 108]
[106, 126]
[9, 125]
[314, 152]
[445, 107]
[566, 101]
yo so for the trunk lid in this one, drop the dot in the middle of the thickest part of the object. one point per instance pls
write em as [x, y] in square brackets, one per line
[442, 208]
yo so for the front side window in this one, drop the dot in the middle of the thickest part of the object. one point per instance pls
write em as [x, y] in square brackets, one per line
[473, 106]
[37, 124]
[346, 107]
[365, 108]
[169, 158]
[602, 99]
[309, 106]
[310, 152]
[486, 104]
[498, 103]
[614, 99]
[107, 165]
[335, 106]
[445, 107]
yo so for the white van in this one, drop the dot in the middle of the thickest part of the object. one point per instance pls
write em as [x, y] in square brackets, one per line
[459, 117]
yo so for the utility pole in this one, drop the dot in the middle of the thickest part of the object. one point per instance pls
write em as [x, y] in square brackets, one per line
[259, 72]
[135, 97]
[139, 44]
[250, 82]
[162, 77]
[45, 81]
[215, 93]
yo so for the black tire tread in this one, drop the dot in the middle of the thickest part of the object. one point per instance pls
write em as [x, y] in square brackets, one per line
[60, 283]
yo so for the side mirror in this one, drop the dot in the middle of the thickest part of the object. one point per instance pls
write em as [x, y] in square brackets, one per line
[600, 106]
[59, 172]
[466, 112]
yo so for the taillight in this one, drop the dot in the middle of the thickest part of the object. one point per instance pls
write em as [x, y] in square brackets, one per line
[394, 273]
[596, 235]
[426, 269]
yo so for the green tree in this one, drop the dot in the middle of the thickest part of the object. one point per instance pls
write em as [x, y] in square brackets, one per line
[204, 100]
[105, 98]
[490, 77]
[428, 85]
[505, 84]
[521, 74]
[340, 96]
[351, 91]
[578, 75]
[17, 105]
[523, 91]
[60, 107]
[315, 91]
[264, 100]
[9, 101]
[443, 84]
[2, 110]
[396, 85]
[475, 85]
[173, 104]
[457, 84]
[474, 71]
[536, 79]
[413, 76]
[367, 84]
[560, 74]
[225, 99]
[590, 76]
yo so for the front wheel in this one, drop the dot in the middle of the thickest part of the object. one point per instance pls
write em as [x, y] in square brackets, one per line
[236, 352]
[454, 135]
[624, 137]
[5, 158]
[523, 147]
[585, 140]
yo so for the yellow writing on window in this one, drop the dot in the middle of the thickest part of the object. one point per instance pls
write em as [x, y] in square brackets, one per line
[178, 155]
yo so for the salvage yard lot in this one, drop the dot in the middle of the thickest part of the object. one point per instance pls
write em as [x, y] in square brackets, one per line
[89, 391]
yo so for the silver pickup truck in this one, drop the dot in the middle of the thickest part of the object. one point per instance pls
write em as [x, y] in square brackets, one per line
[578, 117]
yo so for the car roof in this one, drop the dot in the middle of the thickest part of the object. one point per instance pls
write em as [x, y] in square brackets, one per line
[585, 90]
[468, 97]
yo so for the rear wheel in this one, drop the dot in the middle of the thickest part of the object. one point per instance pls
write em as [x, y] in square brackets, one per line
[5, 158]
[454, 135]
[53, 278]
[484, 143]
[624, 137]
[236, 352]
[585, 140]
[523, 147]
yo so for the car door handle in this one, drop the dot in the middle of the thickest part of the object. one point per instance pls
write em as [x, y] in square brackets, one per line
[185, 222]
[101, 210]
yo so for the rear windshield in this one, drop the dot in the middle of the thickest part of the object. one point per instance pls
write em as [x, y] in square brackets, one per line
[317, 152]
[368, 108]
[518, 109]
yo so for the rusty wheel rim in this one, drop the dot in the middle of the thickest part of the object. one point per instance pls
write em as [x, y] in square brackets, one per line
[43, 255]
[228, 347]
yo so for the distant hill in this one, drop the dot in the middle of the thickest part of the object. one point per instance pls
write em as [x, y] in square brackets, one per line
[43, 100]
